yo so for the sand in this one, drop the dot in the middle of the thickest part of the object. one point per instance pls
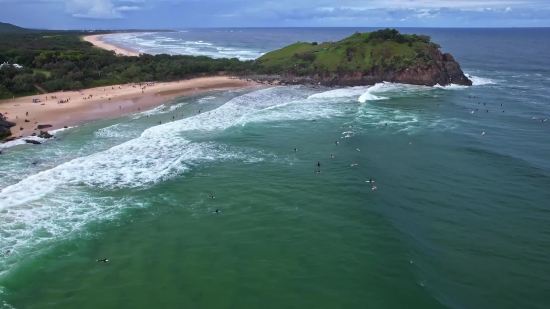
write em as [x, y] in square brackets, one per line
[95, 39]
[106, 102]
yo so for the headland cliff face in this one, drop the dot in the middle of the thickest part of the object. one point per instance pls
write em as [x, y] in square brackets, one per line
[363, 59]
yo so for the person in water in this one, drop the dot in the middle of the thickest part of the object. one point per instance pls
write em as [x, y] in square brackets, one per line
[217, 211]
[317, 171]
[331, 156]
[337, 142]
[211, 196]
[370, 180]
[295, 149]
[104, 260]
[318, 164]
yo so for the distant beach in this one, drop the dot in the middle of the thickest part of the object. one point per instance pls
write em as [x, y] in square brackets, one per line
[96, 40]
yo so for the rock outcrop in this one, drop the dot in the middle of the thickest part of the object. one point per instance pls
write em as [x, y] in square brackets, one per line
[43, 126]
[5, 126]
[45, 134]
[31, 141]
[362, 59]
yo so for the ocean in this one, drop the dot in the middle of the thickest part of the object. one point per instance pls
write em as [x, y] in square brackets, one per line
[458, 219]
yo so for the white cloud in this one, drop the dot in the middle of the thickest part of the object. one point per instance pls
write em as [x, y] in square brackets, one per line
[99, 9]
[508, 9]
[128, 8]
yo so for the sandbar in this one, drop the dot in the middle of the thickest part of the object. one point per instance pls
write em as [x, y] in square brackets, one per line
[96, 40]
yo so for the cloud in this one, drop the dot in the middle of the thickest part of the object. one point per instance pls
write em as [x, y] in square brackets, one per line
[274, 13]
[128, 8]
[102, 9]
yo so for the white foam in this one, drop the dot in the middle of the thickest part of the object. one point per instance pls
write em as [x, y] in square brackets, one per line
[340, 93]
[21, 141]
[54, 132]
[369, 96]
[480, 81]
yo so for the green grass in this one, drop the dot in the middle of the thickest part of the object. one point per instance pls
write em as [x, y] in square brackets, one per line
[47, 73]
[22, 94]
[354, 53]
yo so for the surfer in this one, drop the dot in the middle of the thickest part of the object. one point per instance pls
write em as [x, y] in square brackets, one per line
[295, 149]
[331, 156]
[354, 164]
[370, 180]
[319, 164]
[217, 211]
[317, 171]
[104, 260]
[482, 133]
[337, 142]
[211, 196]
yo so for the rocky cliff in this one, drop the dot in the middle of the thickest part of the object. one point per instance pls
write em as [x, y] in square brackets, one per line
[363, 59]
[5, 127]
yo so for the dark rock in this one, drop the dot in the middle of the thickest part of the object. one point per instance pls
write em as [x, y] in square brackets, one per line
[34, 134]
[45, 134]
[43, 126]
[26, 120]
[65, 127]
[30, 141]
[5, 127]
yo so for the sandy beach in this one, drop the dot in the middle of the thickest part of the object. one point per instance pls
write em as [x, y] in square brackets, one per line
[95, 39]
[102, 102]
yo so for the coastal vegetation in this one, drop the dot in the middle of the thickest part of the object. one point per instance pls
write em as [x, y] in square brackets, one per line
[387, 49]
[61, 60]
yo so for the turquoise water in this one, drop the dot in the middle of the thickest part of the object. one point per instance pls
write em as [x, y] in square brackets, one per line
[458, 220]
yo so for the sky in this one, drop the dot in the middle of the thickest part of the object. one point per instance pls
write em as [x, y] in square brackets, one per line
[178, 14]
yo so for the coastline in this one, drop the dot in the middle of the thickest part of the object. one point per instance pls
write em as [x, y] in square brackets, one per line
[102, 102]
[96, 41]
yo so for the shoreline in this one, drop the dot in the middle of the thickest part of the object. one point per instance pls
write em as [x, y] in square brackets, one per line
[97, 42]
[100, 103]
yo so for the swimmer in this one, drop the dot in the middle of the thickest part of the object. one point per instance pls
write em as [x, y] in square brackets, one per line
[471, 112]
[354, 164]
[104, 260]
[386, 124]
[317, 171]
[374, 188]
[319, 164]
[337, 142]
[534, 118]
[211, 196]
[482, 133]
[358, 149]
[410, 143]
[331, 156]
[295, 149]
[544, 120]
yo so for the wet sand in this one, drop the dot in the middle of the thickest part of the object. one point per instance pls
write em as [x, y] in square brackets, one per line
[105, 102]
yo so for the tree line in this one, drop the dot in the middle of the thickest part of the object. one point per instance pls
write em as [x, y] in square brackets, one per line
[63, 61]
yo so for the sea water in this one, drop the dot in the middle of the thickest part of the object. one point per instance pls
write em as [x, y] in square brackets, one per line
[458, 219]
